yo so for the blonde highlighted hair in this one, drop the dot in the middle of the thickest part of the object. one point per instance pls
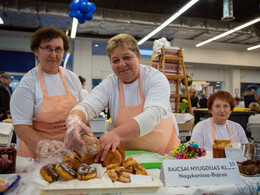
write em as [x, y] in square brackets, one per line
[123, 40]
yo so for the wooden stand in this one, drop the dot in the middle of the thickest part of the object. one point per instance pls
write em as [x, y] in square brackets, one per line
[181, 74]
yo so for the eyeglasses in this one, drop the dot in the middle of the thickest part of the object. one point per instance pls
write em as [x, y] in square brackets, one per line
[49, 50]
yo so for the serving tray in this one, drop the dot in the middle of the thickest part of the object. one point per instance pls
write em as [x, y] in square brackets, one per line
[149, 160]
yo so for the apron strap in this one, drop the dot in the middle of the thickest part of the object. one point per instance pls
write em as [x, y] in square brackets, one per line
[213, 130]
[64, 81]
[44, 90]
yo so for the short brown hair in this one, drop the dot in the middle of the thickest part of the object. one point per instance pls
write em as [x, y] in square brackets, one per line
[46, 34]
[123, 40]
[82, 79]
[222, 95]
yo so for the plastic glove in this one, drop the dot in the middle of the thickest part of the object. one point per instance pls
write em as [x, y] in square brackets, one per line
[46, 148]
[73, 137]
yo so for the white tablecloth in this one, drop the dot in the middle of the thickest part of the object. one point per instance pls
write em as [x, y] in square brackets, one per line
[27, 185]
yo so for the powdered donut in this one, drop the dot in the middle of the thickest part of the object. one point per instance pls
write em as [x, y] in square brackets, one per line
[86, 172]
[92, 145]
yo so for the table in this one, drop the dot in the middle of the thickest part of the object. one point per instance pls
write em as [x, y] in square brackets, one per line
[27, 186]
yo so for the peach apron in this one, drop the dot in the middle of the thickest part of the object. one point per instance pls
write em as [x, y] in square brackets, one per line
[50, 122]
[213, 130]
[163, 137]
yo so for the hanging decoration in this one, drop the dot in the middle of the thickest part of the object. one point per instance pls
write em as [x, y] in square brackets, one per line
[82, 10]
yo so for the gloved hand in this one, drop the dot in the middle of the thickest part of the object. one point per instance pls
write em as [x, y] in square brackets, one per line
[46, 148]
[73, 137]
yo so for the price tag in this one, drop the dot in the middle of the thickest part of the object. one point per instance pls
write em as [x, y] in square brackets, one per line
[235, 154]
[190, 172]
[140, 178]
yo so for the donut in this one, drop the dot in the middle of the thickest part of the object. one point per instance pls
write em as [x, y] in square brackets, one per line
[49, 173]
[112, 158]
[86, 172]
[67, 170]
[139, 170]
[76, 160]
[87, 159]
[121, 149]
[248, 162]
[125, 177]
[112, 166]
[251, 170]
[129, 170]
[92, 145]
[129, 162]
[112, 175]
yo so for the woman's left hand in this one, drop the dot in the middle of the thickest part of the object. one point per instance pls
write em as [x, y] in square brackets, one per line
[46, 148]
[108, 141]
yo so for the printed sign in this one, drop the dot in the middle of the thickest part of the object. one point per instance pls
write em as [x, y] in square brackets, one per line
[235, 154]
[190, 172]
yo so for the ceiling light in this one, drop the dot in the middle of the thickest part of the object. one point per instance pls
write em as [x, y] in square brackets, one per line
[1, 21]
[254, 47]
[173, 17]
[66, 60]
[74, 28]
[229, 32]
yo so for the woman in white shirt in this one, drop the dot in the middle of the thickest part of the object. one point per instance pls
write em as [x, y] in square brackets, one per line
[220, 105]
[44, 97]
[138, 100]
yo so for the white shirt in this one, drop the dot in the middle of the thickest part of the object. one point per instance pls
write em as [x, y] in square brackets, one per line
[27, 98]
[202, 134]
[254, 118]
[85, 93]
[155, 88]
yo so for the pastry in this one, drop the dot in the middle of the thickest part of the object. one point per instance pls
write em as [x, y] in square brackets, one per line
[67, 170]
[92, 145]
[86, 172]
[76, 160]
[139, 170]
[112, 175]
[49, 173]
[125, 177]
[112, 158]
[129, 162]
[121, 150]
[87, 159]
[251, 170]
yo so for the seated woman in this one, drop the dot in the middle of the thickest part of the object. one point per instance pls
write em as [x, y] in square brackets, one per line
[220, 105]
[254, 106]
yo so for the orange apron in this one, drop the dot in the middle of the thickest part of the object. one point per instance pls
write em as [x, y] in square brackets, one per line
[213, 130]
[50, 122]
[163, 137]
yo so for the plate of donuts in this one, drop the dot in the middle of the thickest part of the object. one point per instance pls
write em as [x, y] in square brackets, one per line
[249, 168]
[79, 174]
[64, 177]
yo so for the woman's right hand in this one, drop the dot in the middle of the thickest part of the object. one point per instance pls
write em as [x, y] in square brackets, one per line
[73, 137]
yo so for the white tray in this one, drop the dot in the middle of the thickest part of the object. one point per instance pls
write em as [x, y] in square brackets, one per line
[87, 187]
[101, 184]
